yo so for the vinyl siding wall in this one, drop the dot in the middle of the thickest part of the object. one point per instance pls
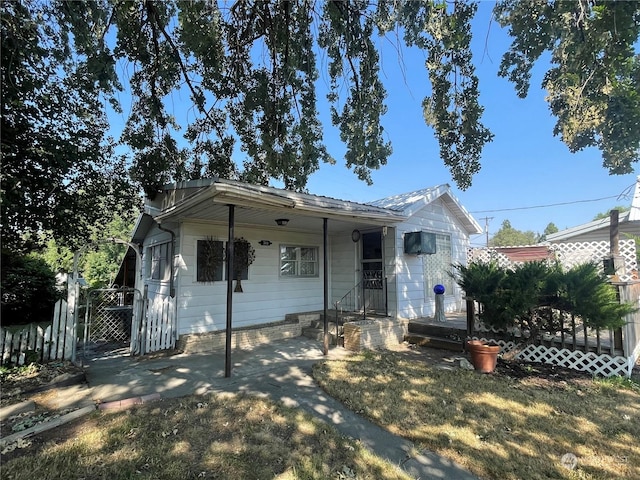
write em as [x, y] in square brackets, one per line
[413, 300]
[266, 296]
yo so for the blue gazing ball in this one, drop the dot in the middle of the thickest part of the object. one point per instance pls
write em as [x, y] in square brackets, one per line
[438, 289]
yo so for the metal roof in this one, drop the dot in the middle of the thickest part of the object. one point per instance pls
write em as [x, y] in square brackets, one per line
[208, 200]
[229, 192]
[410, 203]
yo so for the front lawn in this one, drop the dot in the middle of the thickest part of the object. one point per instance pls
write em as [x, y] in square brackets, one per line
[498, 426]
[230, 437]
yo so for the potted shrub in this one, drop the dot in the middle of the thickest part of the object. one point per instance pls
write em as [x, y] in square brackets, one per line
[480, 281]
[533, 296]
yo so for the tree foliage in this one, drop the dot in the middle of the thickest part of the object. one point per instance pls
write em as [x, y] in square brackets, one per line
[592, 84]
[246, 73]
[59, 172]
[100, 259]
[508, 236]
[28, 290]
[251, 73]
[607, 214]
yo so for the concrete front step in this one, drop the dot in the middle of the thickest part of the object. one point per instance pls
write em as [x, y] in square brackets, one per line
[317, 318]
[320, 324]
[435, 342]
[435, 330]
[318, 334]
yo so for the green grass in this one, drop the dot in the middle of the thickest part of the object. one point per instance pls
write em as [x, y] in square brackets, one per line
[496, 427]
[227, 437]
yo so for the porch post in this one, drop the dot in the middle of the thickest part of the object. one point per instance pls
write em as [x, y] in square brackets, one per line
[325, 242]
[227, 355]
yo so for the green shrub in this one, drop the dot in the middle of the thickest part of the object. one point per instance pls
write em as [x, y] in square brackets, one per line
[534, 295]
[29, 290]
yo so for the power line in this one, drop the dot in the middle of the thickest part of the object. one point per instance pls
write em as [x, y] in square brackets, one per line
[621, 195]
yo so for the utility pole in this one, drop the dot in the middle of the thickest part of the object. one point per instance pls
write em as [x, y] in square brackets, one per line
[486, 227]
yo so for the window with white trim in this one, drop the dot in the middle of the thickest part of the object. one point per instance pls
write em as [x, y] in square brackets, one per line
[299, 261]
[436, 267]
[160, 261]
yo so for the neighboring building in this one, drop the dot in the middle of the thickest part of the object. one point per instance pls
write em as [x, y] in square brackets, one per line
[599, 230]
[183, 233]
[592, 242]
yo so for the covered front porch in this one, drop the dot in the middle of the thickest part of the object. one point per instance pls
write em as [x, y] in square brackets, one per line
[308, 253]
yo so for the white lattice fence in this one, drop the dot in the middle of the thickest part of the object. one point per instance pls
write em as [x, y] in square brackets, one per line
[593, 363]
[488, 254]
[602, 364]
[569, 255]
[572, 254]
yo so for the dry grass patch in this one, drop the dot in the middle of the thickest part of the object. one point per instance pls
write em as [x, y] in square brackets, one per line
[226, 437]
[496, 426]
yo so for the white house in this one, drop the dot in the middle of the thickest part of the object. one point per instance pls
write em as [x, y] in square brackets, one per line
[310, 251]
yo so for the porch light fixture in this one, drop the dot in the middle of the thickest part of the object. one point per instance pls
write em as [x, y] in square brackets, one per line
[265, 243]
[282, 221]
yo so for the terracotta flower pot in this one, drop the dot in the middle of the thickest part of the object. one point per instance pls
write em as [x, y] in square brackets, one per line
[484, 355]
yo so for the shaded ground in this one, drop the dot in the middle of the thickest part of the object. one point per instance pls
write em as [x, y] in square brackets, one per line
[19, 384]
[538, 373]
[38, 383]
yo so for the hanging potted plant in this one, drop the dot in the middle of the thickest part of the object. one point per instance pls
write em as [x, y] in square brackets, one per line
[243, 256]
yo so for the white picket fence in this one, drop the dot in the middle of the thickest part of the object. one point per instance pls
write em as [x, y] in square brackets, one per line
[39, 342]
[57, 340]
[159, 330]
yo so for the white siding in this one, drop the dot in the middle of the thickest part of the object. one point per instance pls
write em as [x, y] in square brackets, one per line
[413, 300]
[266, 296]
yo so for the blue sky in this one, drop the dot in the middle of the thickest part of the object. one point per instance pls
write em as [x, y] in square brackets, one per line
[523, 169]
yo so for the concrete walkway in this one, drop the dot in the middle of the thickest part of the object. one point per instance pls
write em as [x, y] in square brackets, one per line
[280, 371]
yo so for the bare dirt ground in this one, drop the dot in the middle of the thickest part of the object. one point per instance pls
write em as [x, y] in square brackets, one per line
[19, 384]
[541, 373]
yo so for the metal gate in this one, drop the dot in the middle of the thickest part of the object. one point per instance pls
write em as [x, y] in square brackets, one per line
[109, 316]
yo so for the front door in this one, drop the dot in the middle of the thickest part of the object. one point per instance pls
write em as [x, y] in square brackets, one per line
[373, 278]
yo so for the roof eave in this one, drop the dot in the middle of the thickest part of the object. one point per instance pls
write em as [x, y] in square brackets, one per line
[586, 227]
[234, 194]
